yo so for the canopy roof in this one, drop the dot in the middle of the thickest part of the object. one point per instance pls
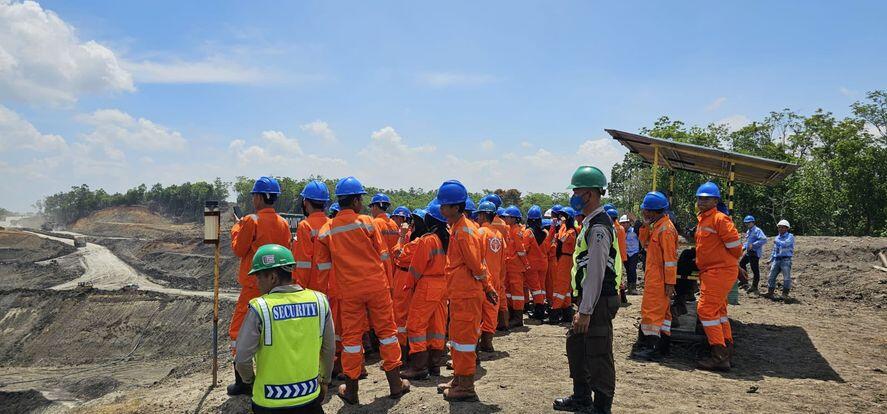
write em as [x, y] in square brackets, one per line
[704, 160]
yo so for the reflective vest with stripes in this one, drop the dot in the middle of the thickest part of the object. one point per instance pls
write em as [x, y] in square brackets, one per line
[613, 271]
[287, 359]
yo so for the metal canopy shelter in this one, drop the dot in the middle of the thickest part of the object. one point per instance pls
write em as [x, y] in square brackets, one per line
[694, 158]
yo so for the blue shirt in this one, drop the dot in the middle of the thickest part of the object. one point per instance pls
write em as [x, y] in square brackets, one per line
[755, 240]
[632, 244]
[783, 245]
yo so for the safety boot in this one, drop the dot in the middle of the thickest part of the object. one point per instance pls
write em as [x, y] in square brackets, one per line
[603, 404]
[517, 318]
[348, 392]
[769, 294]
[239, 387]
[632, 289]
[436, 359]
[718, 361]
[539, 312]
[785, 295]
[418, 367]
[568, 315]
[485, 344]
[663, 347]
[646, 349]
[397, 386]
[502, 324]
[554, 317]
[463, 391]
[447, 385]
[572, 403]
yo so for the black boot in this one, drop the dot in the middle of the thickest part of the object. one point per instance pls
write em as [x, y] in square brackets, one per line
[568, 315]
[539, 312]
[769, 294]
[555, 316]
[239, 387]
[664, 345]
[646, 349]
[603, 404]
[572, 403]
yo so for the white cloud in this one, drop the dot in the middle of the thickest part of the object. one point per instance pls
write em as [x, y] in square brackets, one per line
[43, 61]
[320, 129]
[526, 144]
[210, 70]
[734, 122]
[487, 145]
[714, 105]
[447, 79]
[114, 127]
[280, 142]
[847, 92]
[16, 132]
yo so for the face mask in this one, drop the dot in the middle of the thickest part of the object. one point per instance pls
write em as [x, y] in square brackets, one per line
[577, 203]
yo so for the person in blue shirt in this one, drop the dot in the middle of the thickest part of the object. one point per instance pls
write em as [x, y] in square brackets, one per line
[632, 249]
[781, 260]
[755, 239]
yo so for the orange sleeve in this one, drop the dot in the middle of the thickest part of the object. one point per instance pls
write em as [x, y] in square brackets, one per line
[242, 234]
[322, 256]
[520, 246]
[472, 256]
[669, 242]
[303, 252]
[620, 234]
[730, 237]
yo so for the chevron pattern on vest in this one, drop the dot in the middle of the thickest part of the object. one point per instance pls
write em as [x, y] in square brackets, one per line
[299, 389]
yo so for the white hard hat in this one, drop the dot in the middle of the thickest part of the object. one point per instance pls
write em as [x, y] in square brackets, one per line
[623, 219]
[547, 213]
[783, 222]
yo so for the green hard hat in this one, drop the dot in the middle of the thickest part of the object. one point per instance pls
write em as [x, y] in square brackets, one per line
[271, 256]
[587, 176]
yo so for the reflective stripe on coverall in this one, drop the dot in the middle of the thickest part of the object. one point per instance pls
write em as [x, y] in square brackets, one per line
[494, 257]
[305, 272]
[515, 268]
[538, 267]
[550, 249]
[427, 318]
[403, 288]
[717, 256]
[505, 232]
[662, 268]
[390, 233]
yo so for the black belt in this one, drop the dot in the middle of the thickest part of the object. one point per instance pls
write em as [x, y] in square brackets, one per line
[403, 268]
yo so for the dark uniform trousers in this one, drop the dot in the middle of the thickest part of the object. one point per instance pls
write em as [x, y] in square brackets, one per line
[590, 355]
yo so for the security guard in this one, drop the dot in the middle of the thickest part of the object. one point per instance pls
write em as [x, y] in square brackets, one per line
[289, 331]
[595, 266]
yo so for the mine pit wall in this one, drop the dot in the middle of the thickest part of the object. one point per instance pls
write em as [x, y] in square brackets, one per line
[86, 326]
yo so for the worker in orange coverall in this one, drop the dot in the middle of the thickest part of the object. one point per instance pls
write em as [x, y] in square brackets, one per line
[389, 230]
[507, 244]
[717, 256]
[494, 256]
[534, 237]
[561, 307]
[468, 285]
[516, 266]
[353, 251]
[247, 235]
[403, 280]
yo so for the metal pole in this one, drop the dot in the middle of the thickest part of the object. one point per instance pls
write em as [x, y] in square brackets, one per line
[216, 311]
[655, 164]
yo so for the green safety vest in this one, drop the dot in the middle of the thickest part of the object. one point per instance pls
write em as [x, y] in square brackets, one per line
[288, 357]
[613, 271]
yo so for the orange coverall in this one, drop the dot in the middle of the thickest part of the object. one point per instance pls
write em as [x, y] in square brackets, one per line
[550, 250]
[247, 235]
[661, 269]
[390, 234]
[467, 281]
[305, 272]
[717, 256]
[505, 232]
[353, 250]
[516, 266]
[427, 320]
[538, 266]
[494, 256]
[403, 287]
[563, 289]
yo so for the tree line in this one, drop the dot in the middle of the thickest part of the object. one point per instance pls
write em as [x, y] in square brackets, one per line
[840, 187]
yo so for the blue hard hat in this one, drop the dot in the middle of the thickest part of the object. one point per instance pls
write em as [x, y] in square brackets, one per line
[749, 219]
[493, 198]
[708, 189]
[334, 208]
[535, 212]
[546, 222]
[654, 200]
[420, 213]
[401, 211]
[469, 205]
[315, 190]
[613, 213]
[608, 206]
[556, 208]
[486, 206]
[434, 210]
[266, 185]
[569, 211]
[500, 211]
[513, 211]
[349, 186]
[380, 198]
[452, 192]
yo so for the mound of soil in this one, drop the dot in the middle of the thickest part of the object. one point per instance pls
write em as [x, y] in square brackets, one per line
[99, 326]
[131, 221]
[20, 247]
[32, 276]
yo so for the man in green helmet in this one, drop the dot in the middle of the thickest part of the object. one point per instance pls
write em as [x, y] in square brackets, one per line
[590, 339]
[289, 332]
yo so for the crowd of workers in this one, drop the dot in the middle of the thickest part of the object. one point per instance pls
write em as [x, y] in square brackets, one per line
[442, 279]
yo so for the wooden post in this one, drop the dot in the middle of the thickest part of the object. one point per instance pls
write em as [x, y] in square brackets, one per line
[655, 165]
[216, 311]
[730, 177]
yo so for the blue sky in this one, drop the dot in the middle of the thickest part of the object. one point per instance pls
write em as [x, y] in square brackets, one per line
[400, 94]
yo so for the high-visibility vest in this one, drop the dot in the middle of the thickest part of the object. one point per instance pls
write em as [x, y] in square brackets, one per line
[288, 357]
[613, 271]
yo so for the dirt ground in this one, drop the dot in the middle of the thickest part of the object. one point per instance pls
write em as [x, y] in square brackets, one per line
[96, 351]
